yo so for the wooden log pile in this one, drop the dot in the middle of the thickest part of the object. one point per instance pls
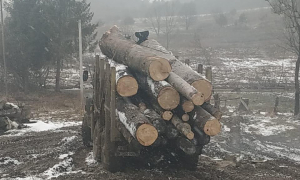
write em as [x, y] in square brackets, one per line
[159, 98]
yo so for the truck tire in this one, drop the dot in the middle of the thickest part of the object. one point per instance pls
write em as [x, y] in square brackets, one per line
[86, 131]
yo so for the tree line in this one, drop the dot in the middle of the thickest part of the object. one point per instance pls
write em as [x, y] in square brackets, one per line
[40, 34]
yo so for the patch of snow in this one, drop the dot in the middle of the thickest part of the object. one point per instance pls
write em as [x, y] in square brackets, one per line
[226, 128]
[63, 156]
[62, 168]
[41, 126]
[150, 83]
[12, 105]
[68, 139]
[9, 160]
[90, 159]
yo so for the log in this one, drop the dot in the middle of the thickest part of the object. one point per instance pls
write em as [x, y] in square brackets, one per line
[212, 110]
[139, 100]
[183, 128]
[136, 123]
[187, 106]
[202, 138]
[181, 114]
[185, 117]
[186, 89]
[126, 84]
[141, 59]
[206, 122]
[182, 70]
[156, 120]
[159, 91]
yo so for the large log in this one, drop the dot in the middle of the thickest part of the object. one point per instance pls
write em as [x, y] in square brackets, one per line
[126, 84]
[183, 128]
[184, 71]
[159, 91]
[136, 123]
[186, 89]
[154, 118]
[206, 122]
[145, 60]
[212, 110]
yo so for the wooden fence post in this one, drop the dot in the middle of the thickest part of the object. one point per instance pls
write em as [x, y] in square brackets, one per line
[200, 68]
[187, 62]
[208, 73]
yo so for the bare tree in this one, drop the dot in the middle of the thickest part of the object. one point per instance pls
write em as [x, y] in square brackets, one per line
[290, 11]
[206, 52]
[155, 17]
[188, 12]
[170, 21]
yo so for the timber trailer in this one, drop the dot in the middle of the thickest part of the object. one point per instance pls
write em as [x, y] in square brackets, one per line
[113, 144]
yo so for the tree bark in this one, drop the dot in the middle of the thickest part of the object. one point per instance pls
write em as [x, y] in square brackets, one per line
[159, 91]
[182, 70]
[297, 91]
[206, 122]
[183, 128]
[141, 59]
[186, 89]
[126, 84]
[156, 120]
[136, 123]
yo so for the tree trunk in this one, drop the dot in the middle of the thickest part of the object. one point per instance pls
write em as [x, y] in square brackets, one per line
[136, 123]
[206, 122]
[183, 128]
[138, 58]
[186, 89]
[159, 91]
[57, 76]
[156, 120]
[126, 84]
[182, 70]
[297, 91]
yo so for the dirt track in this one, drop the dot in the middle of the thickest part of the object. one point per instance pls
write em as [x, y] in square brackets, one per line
[33, 154]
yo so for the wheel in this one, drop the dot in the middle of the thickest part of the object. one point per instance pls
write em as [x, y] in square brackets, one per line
[86, 131]
[190, 162]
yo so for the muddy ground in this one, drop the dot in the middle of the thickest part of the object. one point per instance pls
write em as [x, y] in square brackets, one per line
[58, 153]
[34, 153]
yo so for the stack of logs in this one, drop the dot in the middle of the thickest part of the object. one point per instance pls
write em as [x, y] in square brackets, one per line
[158, 97]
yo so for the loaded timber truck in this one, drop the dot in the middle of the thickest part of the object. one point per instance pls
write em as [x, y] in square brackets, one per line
[142, 109]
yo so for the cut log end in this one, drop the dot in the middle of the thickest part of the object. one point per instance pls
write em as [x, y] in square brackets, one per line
[168, 98]
[198, 99]
[167, 115]
[146, 134]
[190, 135]
[127, 86]
[204, 87]
[212, 127]
[188, 106]
[185, 117]
[159, 69]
